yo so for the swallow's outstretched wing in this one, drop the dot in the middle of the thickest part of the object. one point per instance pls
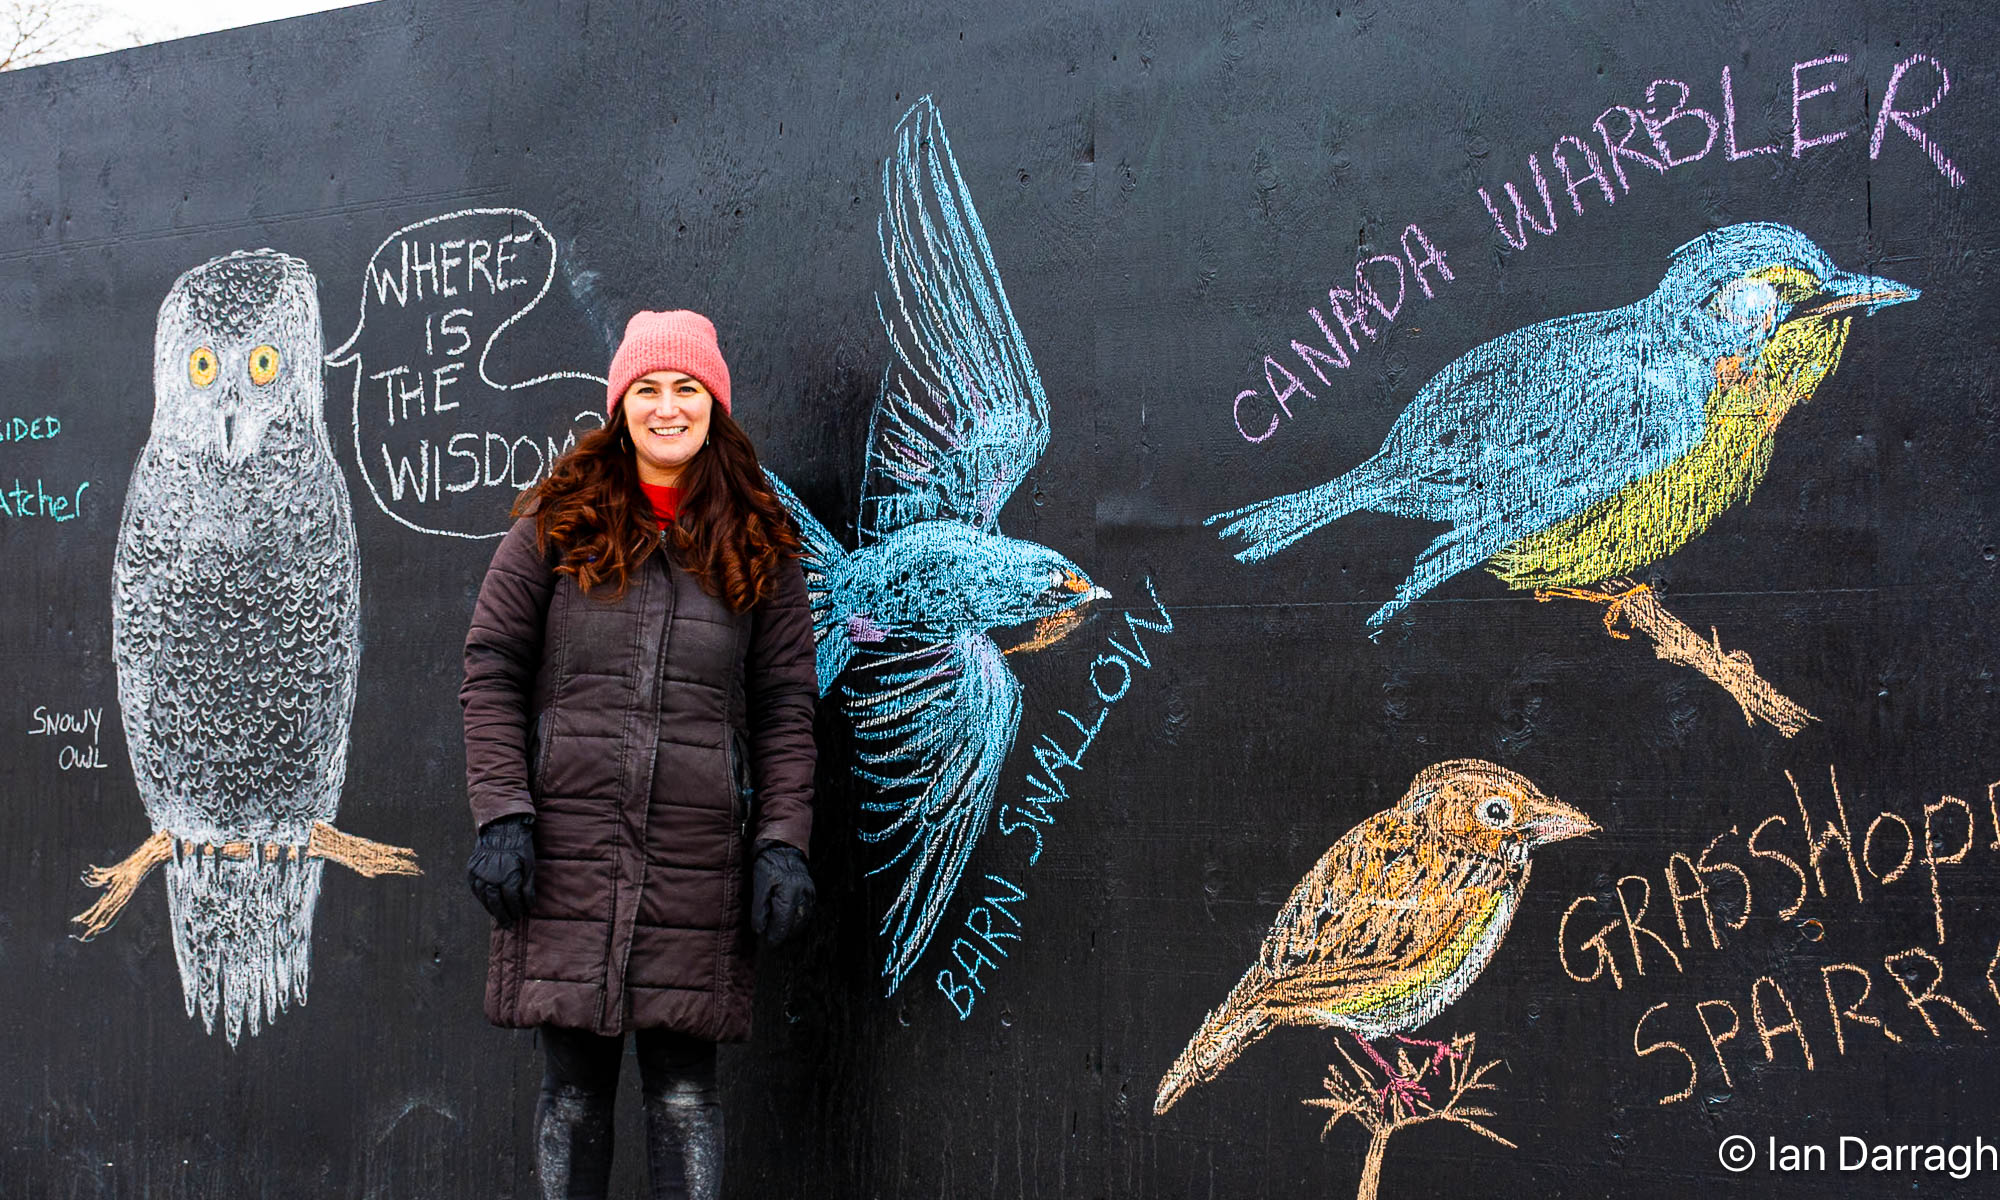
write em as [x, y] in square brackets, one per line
[820, 559]
[936, 723]
[962, 415]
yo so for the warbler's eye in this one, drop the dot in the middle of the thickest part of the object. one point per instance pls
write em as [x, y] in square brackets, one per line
[263, 365]
[1497, 813]
[1745, 302]
[202, 367]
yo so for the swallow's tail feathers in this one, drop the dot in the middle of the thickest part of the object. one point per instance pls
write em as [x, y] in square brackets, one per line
[1224, 1034]
[935, 725]
[1269, 526]
[821, 558]
[932, 856]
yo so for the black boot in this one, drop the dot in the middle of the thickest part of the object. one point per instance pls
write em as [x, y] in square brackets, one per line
[573, 1143]
[684, 1140]
[573, 1119]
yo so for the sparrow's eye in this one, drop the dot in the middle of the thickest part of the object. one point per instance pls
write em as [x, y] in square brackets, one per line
[1497, 813]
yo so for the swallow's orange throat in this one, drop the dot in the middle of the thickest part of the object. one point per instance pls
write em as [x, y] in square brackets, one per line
[1052, 629]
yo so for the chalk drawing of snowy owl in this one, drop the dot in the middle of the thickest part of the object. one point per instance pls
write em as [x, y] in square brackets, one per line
[235, 629]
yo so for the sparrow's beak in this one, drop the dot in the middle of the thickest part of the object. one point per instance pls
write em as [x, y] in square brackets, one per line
[1844, 293]
[1554, 821]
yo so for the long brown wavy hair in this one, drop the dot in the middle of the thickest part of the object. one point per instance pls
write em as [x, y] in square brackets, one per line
[731, 531]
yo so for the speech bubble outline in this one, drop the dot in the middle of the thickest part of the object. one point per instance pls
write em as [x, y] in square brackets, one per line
[346, 354]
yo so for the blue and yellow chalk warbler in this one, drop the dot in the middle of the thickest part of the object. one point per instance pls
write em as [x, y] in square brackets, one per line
[1584, 448]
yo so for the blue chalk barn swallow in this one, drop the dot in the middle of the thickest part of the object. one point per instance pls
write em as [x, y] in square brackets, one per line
[961, 419]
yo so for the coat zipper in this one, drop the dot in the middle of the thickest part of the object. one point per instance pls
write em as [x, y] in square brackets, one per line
[743, 793]
[542, 734]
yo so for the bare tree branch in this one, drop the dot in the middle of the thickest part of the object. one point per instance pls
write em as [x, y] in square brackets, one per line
[1358, 1093]
[40, 31]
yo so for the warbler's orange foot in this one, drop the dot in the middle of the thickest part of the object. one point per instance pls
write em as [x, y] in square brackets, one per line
[1613, 600]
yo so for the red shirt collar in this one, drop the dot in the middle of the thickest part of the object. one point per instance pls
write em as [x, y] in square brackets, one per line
[666, 501]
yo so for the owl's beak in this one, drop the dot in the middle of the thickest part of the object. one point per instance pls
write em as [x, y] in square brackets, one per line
[236, 431]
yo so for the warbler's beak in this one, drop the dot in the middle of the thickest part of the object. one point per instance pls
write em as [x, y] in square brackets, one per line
[1554, 821]
[1844, 293]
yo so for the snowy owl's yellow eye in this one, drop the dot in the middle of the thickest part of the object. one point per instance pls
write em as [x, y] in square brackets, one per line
[202, 367]
[263, 365]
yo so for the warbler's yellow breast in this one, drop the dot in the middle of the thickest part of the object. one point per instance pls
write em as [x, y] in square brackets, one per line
[1652, 517]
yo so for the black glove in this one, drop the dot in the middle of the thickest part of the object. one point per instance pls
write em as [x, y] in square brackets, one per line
[502, 867]
[781, 892]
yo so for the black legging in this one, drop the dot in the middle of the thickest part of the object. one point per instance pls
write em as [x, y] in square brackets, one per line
[683, 1114]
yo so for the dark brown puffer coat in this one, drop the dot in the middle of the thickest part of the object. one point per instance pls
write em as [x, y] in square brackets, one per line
[655, 739]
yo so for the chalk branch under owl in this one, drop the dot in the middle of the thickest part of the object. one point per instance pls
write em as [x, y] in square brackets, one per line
[235, 620]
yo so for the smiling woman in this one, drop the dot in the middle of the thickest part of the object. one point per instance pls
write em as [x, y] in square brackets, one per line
[639, 693]
[666, 419]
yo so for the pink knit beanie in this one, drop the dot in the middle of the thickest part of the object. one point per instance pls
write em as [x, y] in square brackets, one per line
[680, 340]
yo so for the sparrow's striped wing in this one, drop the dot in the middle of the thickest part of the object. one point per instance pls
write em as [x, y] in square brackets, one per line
[962, 416]
[935, 724]
[1381, 914]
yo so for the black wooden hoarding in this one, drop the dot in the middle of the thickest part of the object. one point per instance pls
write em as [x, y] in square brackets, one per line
[1238, 244]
